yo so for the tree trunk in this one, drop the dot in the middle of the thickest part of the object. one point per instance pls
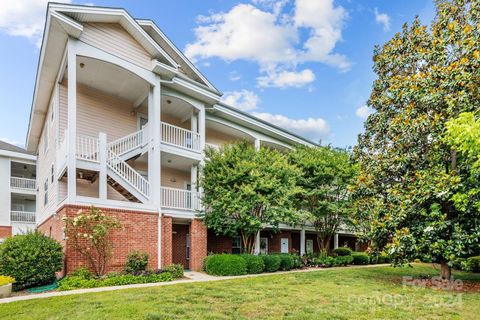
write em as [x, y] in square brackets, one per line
[323, 243]
[445, 270]
[249, 242]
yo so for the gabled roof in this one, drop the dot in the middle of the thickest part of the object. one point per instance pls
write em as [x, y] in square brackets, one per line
[12, 148]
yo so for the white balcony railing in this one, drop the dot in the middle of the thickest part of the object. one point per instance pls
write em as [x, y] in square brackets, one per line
[87, 148]
[23, 183]
[180, 199]
[22, 216]
[130, 142]
[180, 137]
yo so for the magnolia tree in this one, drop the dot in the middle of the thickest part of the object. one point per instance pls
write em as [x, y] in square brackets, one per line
[413, 185]
[324, 197]
[246, 189]
[89, 231]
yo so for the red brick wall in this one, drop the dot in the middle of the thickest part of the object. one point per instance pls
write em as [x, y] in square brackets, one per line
[198, 244]
[138, 232]
[166, 241]
[5, 231]
[274, 240]
[218, 244]
[179, 244]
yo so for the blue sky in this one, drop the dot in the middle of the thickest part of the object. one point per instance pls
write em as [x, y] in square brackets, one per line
[303, 64]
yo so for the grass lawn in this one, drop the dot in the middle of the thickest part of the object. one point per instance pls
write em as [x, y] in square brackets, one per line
[370, 293]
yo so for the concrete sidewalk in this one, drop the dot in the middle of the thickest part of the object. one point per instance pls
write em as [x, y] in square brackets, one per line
[190, 277]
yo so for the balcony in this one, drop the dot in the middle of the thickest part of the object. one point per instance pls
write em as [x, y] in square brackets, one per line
[180, 199]
[23, 184]
[22, 216]
[180, 137]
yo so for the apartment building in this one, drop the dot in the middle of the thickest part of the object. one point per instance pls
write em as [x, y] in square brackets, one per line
[120, 119]
[17, 190]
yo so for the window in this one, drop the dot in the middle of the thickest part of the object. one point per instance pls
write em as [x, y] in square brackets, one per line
[263, 245]
[45, 195]
[236, 245]
[52, 174]
[309, 246]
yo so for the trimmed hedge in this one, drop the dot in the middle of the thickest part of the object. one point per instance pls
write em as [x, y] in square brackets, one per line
[343, 251]
[272, 262]
[343, 260]
[225, 265]
[360, 258]
[254, 263]
[32, 259]
[136, 261]
[286, 262]
[473, 264]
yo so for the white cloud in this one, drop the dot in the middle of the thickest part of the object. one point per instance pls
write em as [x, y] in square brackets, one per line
[234, 76]
[263, 33]
[285, 79]
[244, 100]
[382, 19]
[11, 141]
[312, 128]
[25, 18]
[363, 112]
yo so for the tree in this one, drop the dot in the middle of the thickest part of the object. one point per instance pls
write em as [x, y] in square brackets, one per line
[89, 232]
[325, 199]
[409, 173]
[247, 189]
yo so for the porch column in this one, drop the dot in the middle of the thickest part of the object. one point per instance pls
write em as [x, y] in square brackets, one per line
[72, 121]
[201, 127]
[198, 244]
[257, 144]
[302, 242]
[154, 159]
[257, 244]
[335, 241]
[193, 184]
[102, 157]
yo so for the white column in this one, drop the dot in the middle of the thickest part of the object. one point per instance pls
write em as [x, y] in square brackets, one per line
[201, 127]
[257, 144]
[257, 244]
[102, 157]
[154, 159]
[335, 241]
[302, 242]
[72, 121]
[193, 185]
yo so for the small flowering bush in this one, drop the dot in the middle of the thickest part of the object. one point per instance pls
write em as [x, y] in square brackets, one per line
[89, 231]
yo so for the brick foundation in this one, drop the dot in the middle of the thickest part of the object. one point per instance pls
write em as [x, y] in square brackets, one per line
[5, 231]
[139, 232]
[198, 244]
[218, 243]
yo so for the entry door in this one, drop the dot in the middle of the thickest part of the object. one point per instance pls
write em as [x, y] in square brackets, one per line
[284, 245]
[263, 245]
[309, 246]
[181, 244]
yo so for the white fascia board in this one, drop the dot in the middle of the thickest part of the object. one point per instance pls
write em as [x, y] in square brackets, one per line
[18, 155]
[71, 27]
[160, 33]
[195, 89]
[262, 125]
[163, 70]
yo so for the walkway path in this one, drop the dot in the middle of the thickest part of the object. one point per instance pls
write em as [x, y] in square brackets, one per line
[191, 277]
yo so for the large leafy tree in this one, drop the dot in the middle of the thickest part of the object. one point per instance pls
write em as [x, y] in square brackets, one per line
[246, 189]
[325, 198]
[409, 173]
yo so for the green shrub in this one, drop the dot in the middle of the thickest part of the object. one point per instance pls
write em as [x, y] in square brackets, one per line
[83, 273]
[136, 262]
[286, 262]
[473, 264]
[324, 261]
[343, 251]
[255, 264]
[272, 262]
[32, 259]
[297, 261]
[343, 260]
[360, 258]
[77, 282]
[176, 270]
[225, 265]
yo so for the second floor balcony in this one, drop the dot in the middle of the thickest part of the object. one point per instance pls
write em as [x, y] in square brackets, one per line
[23, 184]
[22, 216]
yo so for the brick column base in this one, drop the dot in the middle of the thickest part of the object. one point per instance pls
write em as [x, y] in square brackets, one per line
[166, 241]
[5, 232]
[198, 244]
